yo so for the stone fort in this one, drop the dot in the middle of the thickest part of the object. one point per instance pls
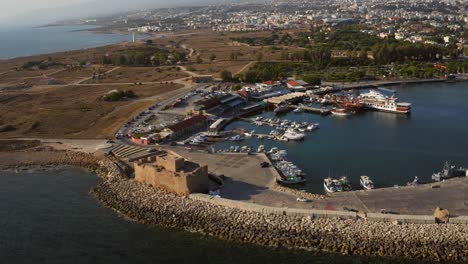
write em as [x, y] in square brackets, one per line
[172, 172]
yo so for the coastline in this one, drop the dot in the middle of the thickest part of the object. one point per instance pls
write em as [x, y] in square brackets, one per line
[150, 206]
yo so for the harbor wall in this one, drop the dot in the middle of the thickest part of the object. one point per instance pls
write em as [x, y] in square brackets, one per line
[375, 217]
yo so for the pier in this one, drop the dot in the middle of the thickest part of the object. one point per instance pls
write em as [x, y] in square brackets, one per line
[315, 110]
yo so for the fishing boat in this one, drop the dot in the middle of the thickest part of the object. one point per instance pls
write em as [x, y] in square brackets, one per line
[344, 182]
[290, 173]
[448, 171]
[366, 182]
[340, 112]
[415, 182]
[329, 185]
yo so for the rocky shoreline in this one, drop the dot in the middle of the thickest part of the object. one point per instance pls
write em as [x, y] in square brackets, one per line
[349, 237]
[151, 206]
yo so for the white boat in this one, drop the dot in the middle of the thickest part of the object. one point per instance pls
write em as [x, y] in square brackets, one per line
[340, 112]
[298, 110]
[379, 101]
[237, 138]
[261, 149]
[291, 134]
[366, 182]
[249, 135]
[329, 185]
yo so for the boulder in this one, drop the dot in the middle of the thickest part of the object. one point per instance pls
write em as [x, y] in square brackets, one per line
[441, 215]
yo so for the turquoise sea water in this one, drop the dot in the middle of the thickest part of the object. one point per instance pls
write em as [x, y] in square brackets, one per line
[49, 217]
[390, 148]
[25, 41]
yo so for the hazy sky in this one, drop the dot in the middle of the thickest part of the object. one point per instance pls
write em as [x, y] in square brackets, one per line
[10, 8]
[43, 11]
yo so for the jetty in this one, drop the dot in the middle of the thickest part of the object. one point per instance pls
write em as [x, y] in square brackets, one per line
[315, 110]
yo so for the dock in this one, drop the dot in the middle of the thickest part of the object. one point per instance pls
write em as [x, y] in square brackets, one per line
[315, 110]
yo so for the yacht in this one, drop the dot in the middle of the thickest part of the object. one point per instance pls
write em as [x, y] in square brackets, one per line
[291, 134]
[377, 100]
[340, 112]
[366, 182]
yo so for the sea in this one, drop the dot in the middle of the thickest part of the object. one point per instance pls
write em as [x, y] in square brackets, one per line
[28, 40]
[49, 216]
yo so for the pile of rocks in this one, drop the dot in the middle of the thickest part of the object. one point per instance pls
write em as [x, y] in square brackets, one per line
[358, 237]
[299, 193]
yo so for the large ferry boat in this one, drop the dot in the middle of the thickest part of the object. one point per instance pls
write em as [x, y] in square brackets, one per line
[376, 99]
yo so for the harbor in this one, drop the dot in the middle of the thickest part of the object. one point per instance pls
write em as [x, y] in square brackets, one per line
[376, 144]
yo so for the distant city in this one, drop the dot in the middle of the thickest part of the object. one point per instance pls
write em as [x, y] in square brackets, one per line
[426, 21]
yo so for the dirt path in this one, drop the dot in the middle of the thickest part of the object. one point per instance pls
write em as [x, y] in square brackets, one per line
[89, 78]
[248, 65]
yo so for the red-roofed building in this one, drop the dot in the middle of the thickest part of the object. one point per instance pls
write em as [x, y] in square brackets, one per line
[292, 83]
[207, 103]
[244, 94]
[188, 126]
[297, 85]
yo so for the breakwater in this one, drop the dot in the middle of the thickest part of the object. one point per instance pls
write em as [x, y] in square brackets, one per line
[346, 236]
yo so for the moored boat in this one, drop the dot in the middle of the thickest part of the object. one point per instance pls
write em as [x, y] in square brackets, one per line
[331, 185]
[340, 112]
[282, 108]
[366, 182]
[291, 134]
[449, 171]
[377, 100]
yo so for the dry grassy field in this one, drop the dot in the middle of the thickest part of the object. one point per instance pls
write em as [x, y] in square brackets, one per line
[72, 111]
[73, 108]
[141, 74]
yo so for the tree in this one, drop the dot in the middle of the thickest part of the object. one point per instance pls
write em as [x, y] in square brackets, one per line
[212, 57]
[312, 79]
[149, 42]
[199, 60]
[260, 56]
[236, 87]
[226, 76]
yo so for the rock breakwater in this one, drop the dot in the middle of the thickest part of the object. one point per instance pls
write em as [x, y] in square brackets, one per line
[358, 237]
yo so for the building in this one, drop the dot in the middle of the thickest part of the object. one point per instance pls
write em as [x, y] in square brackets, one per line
[297, 85]
[188, 126]
[169, 171]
